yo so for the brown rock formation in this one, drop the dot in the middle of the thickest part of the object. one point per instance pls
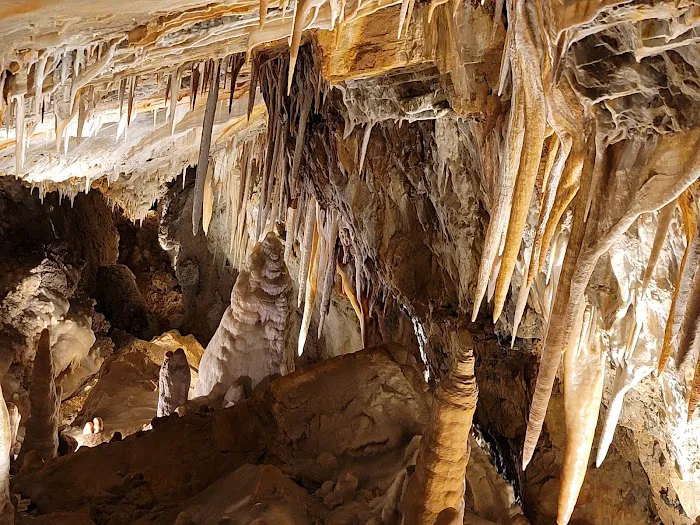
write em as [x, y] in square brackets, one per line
[435, 491]
[42, 428]
[173, 382]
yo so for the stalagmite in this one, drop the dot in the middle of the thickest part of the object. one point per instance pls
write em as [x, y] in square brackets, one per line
[173, 382]
[250, 340]
[584, 372]
[42, 426]
[7, 510]
[306, 247]
[438, 482]
[310, 295]
[204, 146]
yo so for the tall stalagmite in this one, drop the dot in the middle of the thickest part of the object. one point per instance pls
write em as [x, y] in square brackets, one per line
[435, 491]
[249, 344]
[173, 382]
[42, 427]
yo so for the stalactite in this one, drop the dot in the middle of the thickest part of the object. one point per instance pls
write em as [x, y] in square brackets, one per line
[39, 76]
[207, 201]
[311, 288]
[694, 397]
[194, 85]
[306, 247]
[263, 13]
[328, 277]
[659, 190]
[133, 82]
[204, 146]
[665, 216]
[82, 110]
[404, 20]
[584, 373]
[289, 232]
[686, 273]
[92, 72]
[555, 337]
[306, 101]
[523, 294]
[301, 13]
[438, 482]
[122, 92]
[567, 119]
[526, 77]
[434, 4]
[175, 82]
[501, 207]
[350, 294]
[20, 132]
[255, 65]
[365, 143]
[237, 62]
[561, 151]
[166, 94]
[689, 333]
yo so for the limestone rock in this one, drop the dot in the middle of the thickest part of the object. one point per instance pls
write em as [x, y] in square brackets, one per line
[120, 300]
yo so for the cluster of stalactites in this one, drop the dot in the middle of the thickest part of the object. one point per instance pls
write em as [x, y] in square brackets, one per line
[553, 163]
[58, 81]
[284, 202]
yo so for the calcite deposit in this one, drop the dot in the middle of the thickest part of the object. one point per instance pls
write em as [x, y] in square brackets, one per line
[249, 345]
[496, 199]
